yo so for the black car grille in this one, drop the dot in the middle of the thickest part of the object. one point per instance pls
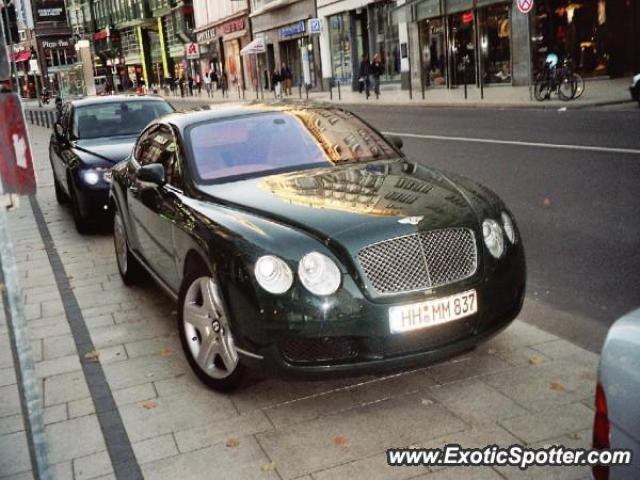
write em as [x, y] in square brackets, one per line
[321, 349]
[420, 260]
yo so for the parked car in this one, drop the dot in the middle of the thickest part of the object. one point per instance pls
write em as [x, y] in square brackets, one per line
[91, 135]
[635, 88]
[302, 240]
[617, 417]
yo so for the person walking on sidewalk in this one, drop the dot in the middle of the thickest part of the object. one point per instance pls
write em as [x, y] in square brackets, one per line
[287, 78]
[276, 84]
[364, 73]
[214, 80]
[207, 84]
[377, 67]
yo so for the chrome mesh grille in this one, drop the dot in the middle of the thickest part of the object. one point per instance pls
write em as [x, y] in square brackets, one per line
[420, 260]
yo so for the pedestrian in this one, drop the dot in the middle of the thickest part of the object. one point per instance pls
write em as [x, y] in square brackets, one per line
[363, 75]
[214, 80]
[190, 83]
[199, 83]
[181, 85]
[207, 84]
[276, 86]
[377, 67]
[287, 78]
[223, 83]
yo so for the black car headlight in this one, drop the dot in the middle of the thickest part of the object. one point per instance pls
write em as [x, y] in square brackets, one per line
[319, 274]
[509, 229]
[493, 237]
[93, 176]
[273, 274]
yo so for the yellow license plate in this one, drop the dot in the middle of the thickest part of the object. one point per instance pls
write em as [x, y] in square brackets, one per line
[406, 318]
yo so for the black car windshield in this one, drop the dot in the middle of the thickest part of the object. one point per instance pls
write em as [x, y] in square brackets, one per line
[264, 143]
[116, 118]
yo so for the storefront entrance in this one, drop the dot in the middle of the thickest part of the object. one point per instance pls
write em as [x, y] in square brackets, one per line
[462, 68]
[433, 53]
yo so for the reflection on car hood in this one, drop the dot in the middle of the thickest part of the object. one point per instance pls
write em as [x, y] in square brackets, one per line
[355, 204]
[112, 149]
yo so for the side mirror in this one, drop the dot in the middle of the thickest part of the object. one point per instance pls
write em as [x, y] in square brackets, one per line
[152, 173]
[59, 130]
[396, 141]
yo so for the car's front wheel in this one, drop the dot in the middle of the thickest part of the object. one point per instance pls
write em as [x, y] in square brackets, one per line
[205, 332]
[130, 269]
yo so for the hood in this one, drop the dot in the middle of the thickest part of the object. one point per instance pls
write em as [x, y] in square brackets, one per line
[356, 204]
[112, 149]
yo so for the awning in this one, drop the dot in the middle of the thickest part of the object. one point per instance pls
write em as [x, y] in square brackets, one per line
[21, 57]
[255, 46]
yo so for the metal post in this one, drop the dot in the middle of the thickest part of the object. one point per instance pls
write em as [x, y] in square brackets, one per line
[331, 89]
[300, 90]
[21, 348]
[306, 88]
[464, 73]
[339, 94]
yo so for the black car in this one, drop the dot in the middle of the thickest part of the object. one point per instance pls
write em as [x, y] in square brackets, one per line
[302, 240]
[90, 136]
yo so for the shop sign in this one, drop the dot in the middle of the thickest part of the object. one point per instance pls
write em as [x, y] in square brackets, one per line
[101, 35]
[315, 26]
[292, 30]
[233, 26]
[467, 17]
[192, 51]
[16, 163]
[524, 6]
[206, 35]
[50, 11]
[58, 43]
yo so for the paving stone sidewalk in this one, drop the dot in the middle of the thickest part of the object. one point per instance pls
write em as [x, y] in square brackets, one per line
[525, 386]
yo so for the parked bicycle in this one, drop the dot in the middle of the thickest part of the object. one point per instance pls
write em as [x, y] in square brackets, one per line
[558, 79]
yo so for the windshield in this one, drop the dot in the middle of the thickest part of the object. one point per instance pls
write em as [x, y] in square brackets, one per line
[264, 143]
[116, 118]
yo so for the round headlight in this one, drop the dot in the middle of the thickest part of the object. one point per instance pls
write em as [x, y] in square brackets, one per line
[319, 274]
[91, 177]
[493, 238]
[273, 274]
[509, 230]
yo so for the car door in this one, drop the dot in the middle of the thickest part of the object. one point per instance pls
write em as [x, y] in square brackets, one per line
[154, 209]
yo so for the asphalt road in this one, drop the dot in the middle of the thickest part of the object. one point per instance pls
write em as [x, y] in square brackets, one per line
[578, 209]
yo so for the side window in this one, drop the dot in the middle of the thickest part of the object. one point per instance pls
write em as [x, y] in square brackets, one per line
[158, 145]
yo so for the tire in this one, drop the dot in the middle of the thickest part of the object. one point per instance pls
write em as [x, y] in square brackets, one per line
[80, 221]
[567, 88]
[61, 196]
[131, 271]
[579, 85]
[211, 353]
[542, 90]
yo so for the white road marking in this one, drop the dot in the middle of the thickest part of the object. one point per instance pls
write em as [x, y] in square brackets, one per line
[589, 148]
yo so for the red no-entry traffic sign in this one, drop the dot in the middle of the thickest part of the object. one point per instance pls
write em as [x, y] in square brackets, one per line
[524, 6]
[16, 164]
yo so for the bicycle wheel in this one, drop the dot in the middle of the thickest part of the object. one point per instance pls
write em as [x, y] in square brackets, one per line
[579, 85]
[542, 90]
[566, 87]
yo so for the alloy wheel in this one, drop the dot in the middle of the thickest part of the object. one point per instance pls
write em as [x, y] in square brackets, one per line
[206, 329]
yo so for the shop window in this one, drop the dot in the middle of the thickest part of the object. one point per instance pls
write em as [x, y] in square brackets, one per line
[575, 30]
[463, 49]
[495, 50]
[340, 40]
[386, 40]
[433, 52]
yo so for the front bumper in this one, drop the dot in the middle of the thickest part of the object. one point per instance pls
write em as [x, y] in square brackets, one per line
[93, 200]
[352, 335]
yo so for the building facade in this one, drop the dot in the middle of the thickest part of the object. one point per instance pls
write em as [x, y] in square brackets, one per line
[289, 39]
[222, 29]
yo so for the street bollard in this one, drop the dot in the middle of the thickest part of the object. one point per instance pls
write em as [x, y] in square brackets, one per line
[37, 118]
[331, 90]
[31, 116]
[422, 85]
[339, 94]
[46, 119]
[300, 90]
[306, 89]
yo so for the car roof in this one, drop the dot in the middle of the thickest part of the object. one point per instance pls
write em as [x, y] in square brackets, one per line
[182, 120]
[97, 100]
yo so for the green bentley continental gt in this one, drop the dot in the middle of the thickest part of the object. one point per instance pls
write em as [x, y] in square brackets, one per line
[302, 240]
